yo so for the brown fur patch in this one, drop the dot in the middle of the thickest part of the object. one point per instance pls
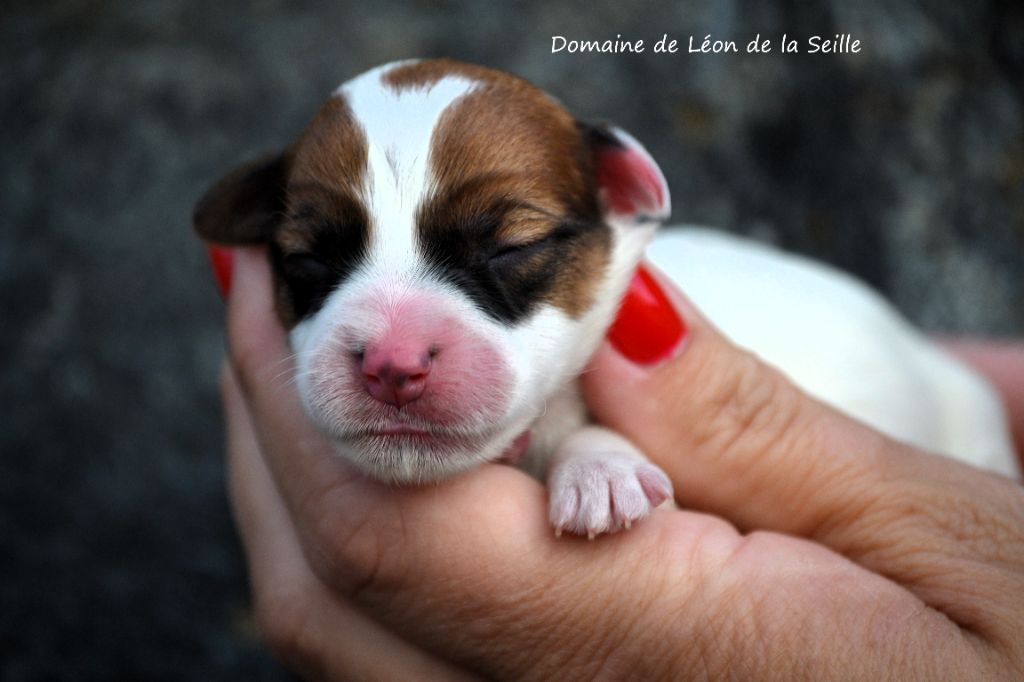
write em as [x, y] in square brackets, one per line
[509, 142]
[331, 151]
[419, 74]
[324, 214]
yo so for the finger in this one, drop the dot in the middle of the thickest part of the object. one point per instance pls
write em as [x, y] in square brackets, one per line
[299, 456]
[738, 439]
[1002, 363]
[313, 630]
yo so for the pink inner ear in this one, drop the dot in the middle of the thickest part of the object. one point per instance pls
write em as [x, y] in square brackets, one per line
[631, 183]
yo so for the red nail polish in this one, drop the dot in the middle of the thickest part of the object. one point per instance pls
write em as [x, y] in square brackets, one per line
[647, 329]
[221, 260]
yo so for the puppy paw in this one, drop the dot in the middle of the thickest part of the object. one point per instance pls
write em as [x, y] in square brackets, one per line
[604, 491]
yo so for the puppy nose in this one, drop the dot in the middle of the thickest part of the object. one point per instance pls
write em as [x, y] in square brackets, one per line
[396, 374]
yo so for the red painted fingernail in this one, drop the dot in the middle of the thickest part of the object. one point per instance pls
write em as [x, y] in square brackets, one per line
[221, 260]
[648, 328]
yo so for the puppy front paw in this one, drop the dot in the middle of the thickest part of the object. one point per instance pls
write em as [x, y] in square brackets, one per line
[603, 490]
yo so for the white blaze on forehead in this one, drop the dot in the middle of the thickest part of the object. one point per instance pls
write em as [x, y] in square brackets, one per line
[398, 124]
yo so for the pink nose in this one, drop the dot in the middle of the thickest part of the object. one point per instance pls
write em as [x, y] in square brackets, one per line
[396, 374]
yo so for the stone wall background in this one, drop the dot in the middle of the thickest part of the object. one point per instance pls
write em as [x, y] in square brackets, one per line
[903, 164]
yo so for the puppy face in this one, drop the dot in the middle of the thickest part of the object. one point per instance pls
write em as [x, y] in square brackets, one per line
[448, 245]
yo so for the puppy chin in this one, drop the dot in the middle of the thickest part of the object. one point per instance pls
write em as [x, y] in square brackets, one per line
[405, 448]
[417, 459]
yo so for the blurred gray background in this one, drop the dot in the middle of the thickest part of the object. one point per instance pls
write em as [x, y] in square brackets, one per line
[903, 164]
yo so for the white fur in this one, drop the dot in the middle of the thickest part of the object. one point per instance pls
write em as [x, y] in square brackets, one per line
[398, 126]
[600, 482]
[839, 341]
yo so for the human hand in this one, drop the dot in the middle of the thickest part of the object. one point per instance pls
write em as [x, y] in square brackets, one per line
[861, 557]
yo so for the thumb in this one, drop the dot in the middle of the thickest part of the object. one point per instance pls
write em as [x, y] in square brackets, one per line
[736, 437]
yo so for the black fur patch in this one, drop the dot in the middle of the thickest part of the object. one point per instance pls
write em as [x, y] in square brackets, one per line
[507, 281]
[334, 236]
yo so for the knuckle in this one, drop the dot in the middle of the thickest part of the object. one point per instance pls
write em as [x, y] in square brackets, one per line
[357, 551]
[983, 519]
[933, 507]
[752, 408]
[935, 535]
[724, 620]
[993, 521]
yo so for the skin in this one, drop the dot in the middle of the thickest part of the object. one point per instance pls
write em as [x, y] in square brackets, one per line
[808, 547]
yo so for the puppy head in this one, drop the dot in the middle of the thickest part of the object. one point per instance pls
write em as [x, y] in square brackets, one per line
[448, 245]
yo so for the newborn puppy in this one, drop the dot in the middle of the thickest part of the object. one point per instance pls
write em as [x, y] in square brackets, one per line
[449, 247]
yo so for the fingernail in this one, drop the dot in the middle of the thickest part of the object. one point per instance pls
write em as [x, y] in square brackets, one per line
[221, 261]
[648, 329]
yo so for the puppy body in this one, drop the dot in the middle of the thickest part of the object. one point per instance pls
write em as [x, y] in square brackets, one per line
[840, 342]
[450, 246]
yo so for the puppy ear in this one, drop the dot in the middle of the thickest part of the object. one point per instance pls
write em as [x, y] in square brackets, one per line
[246, 205]
[630, 184]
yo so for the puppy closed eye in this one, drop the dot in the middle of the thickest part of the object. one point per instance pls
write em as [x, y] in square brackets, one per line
[309, 280]
[306, 269]
[515, 254]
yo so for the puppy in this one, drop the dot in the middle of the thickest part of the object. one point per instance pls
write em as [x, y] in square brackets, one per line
[449, 247]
